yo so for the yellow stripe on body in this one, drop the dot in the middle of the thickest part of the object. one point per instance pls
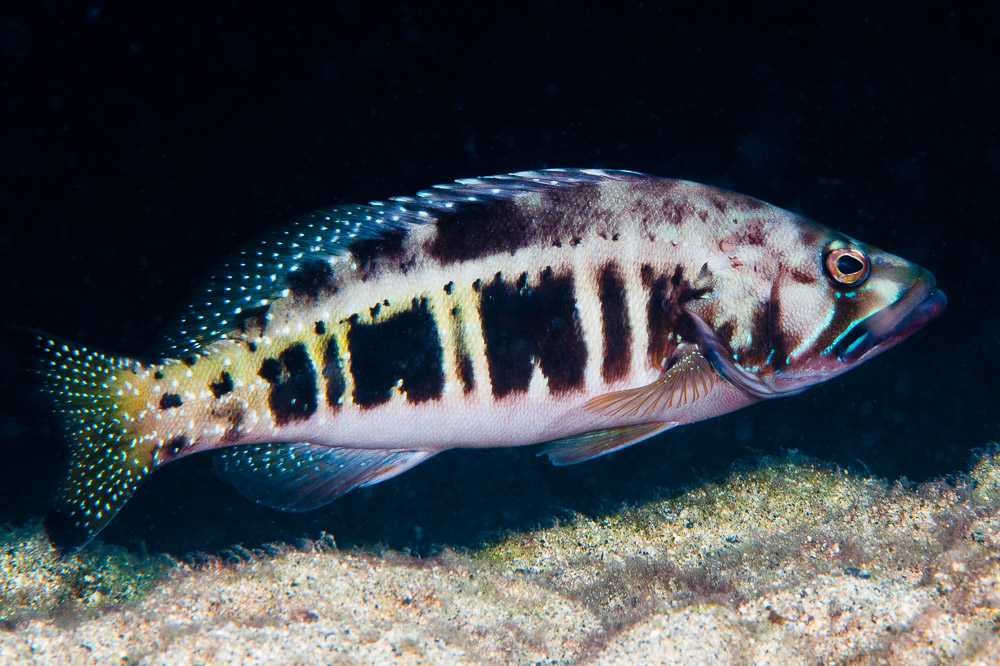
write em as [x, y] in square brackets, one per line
[637, 301]
[588, 306]
[440, 305]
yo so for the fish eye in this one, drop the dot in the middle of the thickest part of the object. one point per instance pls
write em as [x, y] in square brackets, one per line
[846, 266]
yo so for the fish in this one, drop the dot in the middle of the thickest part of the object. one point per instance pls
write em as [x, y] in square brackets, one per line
[584, 310]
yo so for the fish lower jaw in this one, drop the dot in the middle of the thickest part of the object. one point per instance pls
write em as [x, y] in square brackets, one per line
[889, 327]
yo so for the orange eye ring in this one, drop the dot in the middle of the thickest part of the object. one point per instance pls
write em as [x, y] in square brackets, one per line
[847, 266]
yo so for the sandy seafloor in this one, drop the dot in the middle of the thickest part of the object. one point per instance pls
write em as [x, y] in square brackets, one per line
[782, 560]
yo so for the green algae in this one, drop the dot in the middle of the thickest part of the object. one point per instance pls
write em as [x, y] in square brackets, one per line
[36, 582]
[770, 496]
[775, 524]
[985, 477]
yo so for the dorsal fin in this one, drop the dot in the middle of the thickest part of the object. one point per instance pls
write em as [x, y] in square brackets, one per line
[318, 246]
[455, 197]
[263, 272]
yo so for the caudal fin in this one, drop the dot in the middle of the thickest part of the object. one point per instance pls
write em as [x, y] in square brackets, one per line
[109, 459]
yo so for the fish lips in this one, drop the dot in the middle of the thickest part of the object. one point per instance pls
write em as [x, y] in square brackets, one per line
[921, 303]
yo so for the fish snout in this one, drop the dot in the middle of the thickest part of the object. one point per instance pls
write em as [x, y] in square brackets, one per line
[918, 306]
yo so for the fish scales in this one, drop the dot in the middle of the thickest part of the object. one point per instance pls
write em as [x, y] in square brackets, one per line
[587, 309]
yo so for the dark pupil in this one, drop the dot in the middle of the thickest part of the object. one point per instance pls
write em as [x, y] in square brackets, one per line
[847, 264]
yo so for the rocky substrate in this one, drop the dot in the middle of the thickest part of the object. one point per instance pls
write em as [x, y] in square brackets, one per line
[783, 561]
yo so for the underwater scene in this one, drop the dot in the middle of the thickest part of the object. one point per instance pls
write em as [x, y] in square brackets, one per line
[590, 333]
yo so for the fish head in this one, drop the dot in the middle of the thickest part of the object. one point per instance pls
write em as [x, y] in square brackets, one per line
[870, 301]
[820, 306]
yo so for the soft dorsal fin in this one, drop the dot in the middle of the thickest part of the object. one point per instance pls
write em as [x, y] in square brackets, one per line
[578, 448]
[263, 272]
[301, 476]
[318, 246]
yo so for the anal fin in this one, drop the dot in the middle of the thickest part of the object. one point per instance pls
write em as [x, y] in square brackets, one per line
[301, 476]
[578, 448]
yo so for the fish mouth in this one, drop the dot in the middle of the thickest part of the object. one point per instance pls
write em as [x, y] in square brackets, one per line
[921, 303]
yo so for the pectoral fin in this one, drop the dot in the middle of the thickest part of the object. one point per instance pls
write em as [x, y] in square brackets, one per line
[589, 445]
[689, 379]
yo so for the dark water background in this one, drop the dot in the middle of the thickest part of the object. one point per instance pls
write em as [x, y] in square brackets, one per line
[138, 143]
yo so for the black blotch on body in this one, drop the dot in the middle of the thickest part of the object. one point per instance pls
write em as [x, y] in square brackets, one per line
[333, 374]
[189, 361]
[157, 375]
[522, 325]
[403, 347]
[666, 318]
[615, 323]
[465, 372]
[661, 320]
[504, 225]
[727, 331]
[311, 279]
[170, 400]
[767, 335]
[319, 327]
[223, 386]
[448, 288]
[369, 253]
[776, 333]
[646, 275]
[253, 322]
[500, 226]
[678, 275]
[846, 311]
[176, 445]
[292, 377]
[235, 414]
[760, 326]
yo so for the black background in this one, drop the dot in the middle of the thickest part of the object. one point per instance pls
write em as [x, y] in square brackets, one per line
[139, 142]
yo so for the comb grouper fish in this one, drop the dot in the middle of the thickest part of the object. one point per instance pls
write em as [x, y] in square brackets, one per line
[584, 309]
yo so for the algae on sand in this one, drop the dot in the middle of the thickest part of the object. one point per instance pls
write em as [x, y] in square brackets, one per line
[783, 560]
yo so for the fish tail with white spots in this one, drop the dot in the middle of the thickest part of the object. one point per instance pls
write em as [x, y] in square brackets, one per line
[110, 457]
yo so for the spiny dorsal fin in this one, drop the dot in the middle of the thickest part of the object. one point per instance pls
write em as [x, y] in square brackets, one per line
[589, 445]
[301, 476]
[690, 378]
[463, 194]
[318, 246]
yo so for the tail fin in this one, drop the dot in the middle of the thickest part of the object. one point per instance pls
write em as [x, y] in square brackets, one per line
[109, 459]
